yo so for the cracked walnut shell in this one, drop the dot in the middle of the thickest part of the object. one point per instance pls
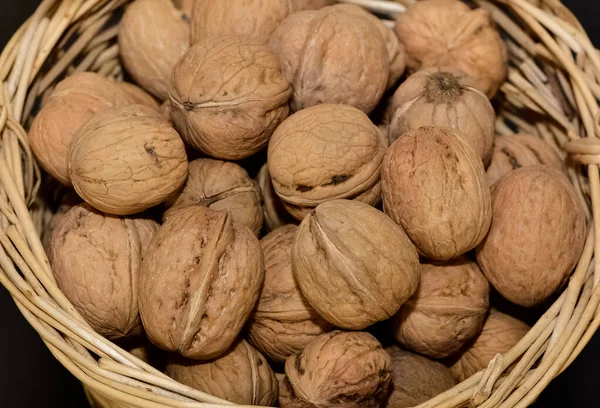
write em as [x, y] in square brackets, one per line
[199, 281]
[127, 159]
[227, 96]
[353, 264]
[350, 370]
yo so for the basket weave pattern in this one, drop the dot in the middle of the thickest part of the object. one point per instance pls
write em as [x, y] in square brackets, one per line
[552, 91]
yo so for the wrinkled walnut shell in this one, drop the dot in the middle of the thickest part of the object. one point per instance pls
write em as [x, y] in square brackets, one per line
[138, 96]
[434, 186]
[275, 214]
[353, 264]
[69, 200]
[199, 281]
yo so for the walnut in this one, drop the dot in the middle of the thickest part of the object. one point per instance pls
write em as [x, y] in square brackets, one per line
[165, 111]
[434, 186]
[323, 153]
[242, 376]
[332, 56]
[69, 200]
[537, 234]
[353, 264]
[221, 186]
[228, 95]
[500, 333]
[127, 159]
[298, 5]
[447, 310]
[416, 379]
[199, 281]
[447, 33]
[283, 322]
[275, 214]
[444, 97]
[74, 100]
[337, 369]
[520, 150]
[153, 34]
[96, 259]
[138, 96]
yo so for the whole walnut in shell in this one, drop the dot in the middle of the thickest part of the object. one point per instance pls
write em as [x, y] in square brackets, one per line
[447, 310]
[325, 152]
[275, 214]
[242, 376]
[332, 56]
[537, 234]
[127, 159]
[153, 34]
[416, 379]
[69, 200]
[74, 100]
[448, 33]
[520, 150]
[227, 96]
[499, 334]
[138, 96]
[434, 186]
[221, 186]
[353, 264]
[444, 97]
[96, 260]
[283, 322]
[350, 370]
[199, 281]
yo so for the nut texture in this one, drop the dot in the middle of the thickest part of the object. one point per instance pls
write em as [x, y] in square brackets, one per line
[153, 34]
[199, 281]
[434, 186]
[447, 310]
[228, 95]
[283, 322]
[537, 234]
[520, 150]
[447, 33]
[74, 100]
[416, 379]
[353, 264]
[337, 369]
[69, 200]
[242, 376]
[275, 214]
[96, 260]
[500, 333]
[138, 96]
[323, 153]
[332, 56]
[221, 186]
[127, 159]
[444, 97]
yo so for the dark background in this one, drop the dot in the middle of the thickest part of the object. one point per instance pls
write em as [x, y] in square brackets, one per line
[30, 377]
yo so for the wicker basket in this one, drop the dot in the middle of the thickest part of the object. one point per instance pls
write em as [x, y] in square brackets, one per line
[552, 91]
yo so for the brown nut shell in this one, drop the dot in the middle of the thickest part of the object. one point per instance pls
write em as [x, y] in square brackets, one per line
[537, 234]
[447, 310]
[153, 34]
[500, 333]
[434, 186]
[445, 97]
[332, 56]
[353, 264]
[520, 150]
[350, 370]
[221, 186]
[325, 152]
[138, 96]
[69, 200]
[127, 159]
[416, 379]
[199, 281]
[275, 214]
[242, 376]
[74, 100]
[283, 322]
[96, 260]
[438, 33]
[227, 96]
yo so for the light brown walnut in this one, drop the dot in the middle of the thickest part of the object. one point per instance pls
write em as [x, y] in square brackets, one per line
[199, 281]
[434, 186]
[69, 200]
[138, 96]
[275, 214]
[537, 234]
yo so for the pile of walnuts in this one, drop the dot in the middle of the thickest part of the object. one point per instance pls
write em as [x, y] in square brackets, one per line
[264, 287]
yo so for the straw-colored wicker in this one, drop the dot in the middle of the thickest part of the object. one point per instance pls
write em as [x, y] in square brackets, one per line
[552, 91]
